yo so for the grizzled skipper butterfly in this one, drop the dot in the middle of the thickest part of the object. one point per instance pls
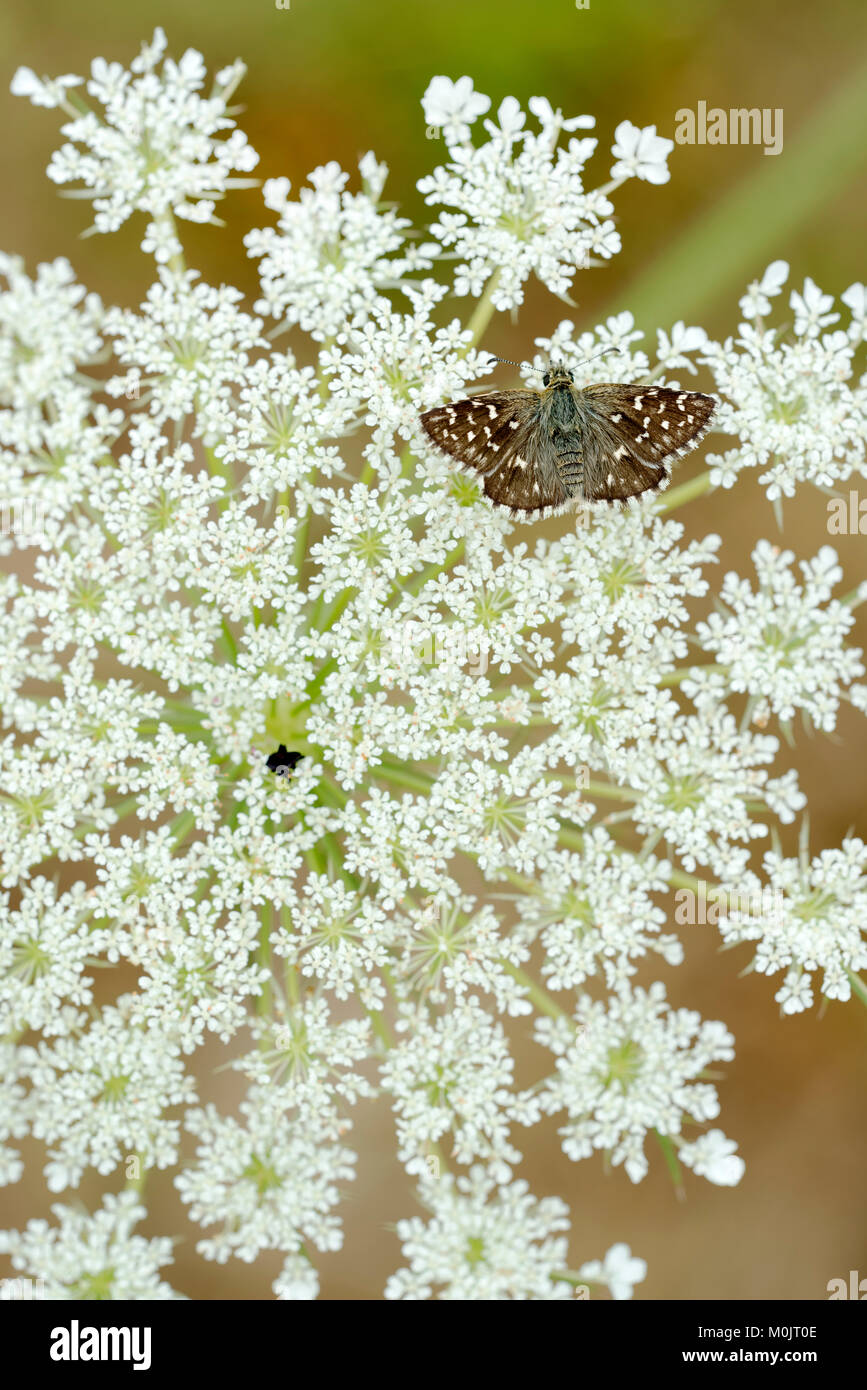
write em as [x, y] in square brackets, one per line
[541, 452]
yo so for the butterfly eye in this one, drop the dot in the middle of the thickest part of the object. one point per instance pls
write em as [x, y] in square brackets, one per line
[546, 379]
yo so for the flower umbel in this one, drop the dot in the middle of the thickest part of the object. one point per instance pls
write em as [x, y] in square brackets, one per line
[509, 746]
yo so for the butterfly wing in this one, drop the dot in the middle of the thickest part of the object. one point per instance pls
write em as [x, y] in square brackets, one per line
[632, 432]
[496, 435]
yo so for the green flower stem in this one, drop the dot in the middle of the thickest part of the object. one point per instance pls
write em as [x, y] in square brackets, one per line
[98, 520]
[536, 721]
[608, 791]
[859, 989]
[380, 1027]
[339, 605]
[570, 839]
[331, 794]
[218, 468]
[681, 673]
[686, 492]
[568, 1276]
[670, 1155]
[402, 776]
[678, 879]
[229, 642]
[854, 598]
[418, 581]
[137, 1185]
[181, 826]
[484, 311]
[540, 997]
[264, 1001]
[176, 262]
[435, 1151]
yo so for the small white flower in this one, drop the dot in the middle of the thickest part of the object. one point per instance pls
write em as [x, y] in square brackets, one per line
[811, 309]
[555, 120]
[157, 147]
[640, 153]
[48, 93]
[620, 1270]
[714, 1157]
[453, 107]
[673, 351]
[785, 645]
[757, 300]
[855, 299]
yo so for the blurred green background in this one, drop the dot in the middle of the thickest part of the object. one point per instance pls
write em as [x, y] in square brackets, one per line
[330, 79]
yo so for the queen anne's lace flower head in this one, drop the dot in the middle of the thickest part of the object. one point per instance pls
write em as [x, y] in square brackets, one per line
[502, 749]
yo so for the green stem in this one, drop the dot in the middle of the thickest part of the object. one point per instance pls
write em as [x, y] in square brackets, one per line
[686, 492]
[859, 989]
[484, 310]
[608, 791]
[263, 956]
[674, 1168]
[540, 997]
[401, 776]
[682, 672]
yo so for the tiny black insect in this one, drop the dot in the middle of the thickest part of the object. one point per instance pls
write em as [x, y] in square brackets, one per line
[283, 762]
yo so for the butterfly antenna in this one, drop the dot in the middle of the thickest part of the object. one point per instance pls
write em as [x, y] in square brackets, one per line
[592, 358]
[510, 363]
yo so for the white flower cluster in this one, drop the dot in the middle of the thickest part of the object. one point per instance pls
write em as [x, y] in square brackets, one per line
[155, 148]
[242, 554]
[517, 204]
[797, 406]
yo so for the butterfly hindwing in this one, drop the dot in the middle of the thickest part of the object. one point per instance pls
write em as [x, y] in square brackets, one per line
[496, 435]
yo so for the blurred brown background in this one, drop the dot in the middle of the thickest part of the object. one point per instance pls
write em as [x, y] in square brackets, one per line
[330, 79]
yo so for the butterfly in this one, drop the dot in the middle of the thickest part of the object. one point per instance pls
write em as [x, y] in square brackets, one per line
[541, 452]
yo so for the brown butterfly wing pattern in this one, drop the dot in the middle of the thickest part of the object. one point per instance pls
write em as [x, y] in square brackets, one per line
[539, 452]
[632, 433]
[497, 436]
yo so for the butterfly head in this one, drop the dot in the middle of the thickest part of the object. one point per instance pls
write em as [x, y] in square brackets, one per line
[557, 376]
